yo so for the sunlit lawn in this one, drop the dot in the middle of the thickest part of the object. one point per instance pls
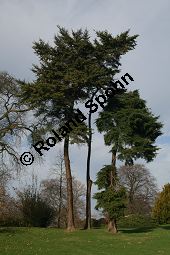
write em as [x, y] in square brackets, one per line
[97, 241]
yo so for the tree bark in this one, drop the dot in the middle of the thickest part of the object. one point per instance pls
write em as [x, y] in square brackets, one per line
[60, 195]
[112, 226]
[70, 213]
[113, 173]
[88, 180]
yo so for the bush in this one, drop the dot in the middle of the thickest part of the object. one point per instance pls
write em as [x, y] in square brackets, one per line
[136, 220]
[98, 223]
[36, 212]
[12, 222]
[161, 210]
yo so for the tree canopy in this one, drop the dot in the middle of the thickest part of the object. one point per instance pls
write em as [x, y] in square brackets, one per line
[130, 127]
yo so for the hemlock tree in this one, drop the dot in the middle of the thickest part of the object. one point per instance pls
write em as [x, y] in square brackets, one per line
[161, 209]
[112, 199]
[130, 128]
[68, 74]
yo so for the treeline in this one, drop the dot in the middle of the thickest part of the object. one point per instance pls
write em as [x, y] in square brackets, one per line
[76, 69]
[45, 204]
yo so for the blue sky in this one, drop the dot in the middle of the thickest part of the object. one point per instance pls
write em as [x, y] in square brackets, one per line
[25, 21]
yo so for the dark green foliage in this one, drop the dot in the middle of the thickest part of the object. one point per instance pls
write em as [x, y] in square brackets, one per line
[69, 72]
[36, 212]
[161, 210]
[98, 223]
[73, 68]
[136, 220]
[113, 198]
[103, 177]
[112, 202]
[130, 127]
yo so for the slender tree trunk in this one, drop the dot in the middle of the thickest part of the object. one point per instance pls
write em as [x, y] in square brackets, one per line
[88, 180]
[60, 194]
[70, 214]
[112, 226]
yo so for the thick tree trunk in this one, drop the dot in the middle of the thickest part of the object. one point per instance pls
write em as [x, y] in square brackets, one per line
[112, 226]
[70, 214]
[113, 173]
[88, 180]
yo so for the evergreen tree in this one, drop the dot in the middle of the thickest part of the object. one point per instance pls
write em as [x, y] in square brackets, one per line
[112, 199]
[68, 74]
[130, 128]
[109, 50]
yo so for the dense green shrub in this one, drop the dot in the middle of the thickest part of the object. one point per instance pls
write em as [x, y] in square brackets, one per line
[136, 220]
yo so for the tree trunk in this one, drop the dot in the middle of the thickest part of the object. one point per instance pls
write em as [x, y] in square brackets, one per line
[70, 214]
[113, 173]
[88, 180]
[112, 226]
[60, 195]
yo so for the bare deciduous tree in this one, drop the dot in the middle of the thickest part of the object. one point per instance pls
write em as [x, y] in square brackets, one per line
[141, 187]
[12, 121]
[55, 192]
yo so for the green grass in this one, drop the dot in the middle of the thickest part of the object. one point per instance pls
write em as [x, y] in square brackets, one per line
[35, 241]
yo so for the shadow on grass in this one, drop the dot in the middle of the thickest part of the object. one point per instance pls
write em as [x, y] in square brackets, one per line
[10, 230]
[137, 230]
[165, 227]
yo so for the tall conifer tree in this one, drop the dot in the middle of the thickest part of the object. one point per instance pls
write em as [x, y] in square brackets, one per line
[68, 73]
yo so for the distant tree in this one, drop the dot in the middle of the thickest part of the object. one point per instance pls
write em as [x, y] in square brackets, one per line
[59, 171]
[5, 175]
[54, 191]
[141, 188]
[161, 209]
[112, 200]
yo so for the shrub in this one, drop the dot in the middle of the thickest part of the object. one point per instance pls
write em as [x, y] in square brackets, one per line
[136, 220]
[161, 210]
[36, 212]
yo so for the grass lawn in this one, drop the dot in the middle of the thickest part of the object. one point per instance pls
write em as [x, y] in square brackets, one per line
[35, 241]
